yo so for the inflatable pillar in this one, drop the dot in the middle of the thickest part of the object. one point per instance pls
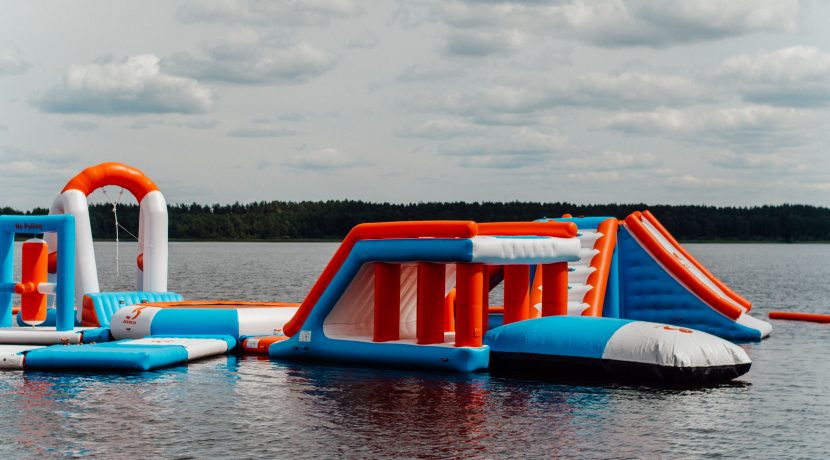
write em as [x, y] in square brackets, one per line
[469, 279]
[516, 293]
[387, 302]
[429, 326]
[34, 280]
[555, 289]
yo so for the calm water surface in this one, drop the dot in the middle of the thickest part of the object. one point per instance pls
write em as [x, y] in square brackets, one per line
[253, 408]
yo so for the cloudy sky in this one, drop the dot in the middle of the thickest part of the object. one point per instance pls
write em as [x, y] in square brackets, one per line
[697, 101]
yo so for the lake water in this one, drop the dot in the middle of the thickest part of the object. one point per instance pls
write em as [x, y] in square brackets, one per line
[234, 407]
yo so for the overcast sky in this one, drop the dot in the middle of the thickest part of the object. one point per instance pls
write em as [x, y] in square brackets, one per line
[588, 101]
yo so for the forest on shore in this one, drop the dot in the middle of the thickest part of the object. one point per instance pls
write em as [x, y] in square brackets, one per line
[318, 220]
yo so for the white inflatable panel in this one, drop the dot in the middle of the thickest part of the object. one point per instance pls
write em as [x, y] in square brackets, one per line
[39, 336]
[664, 345]
[132, 322]
[263, 321]
[754, 323]
[196, 348]
[523, 251]
[11, 356]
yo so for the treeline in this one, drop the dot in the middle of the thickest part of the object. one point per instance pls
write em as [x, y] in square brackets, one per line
[284, 220]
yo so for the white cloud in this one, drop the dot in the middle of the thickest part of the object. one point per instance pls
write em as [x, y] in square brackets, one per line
[131, 85]
[612, 161]
[365, 40]
[481, 43]
[510, 149]
[624, 91]
[751, 126]
[289, 13]
[441, 128]
[793, 76]
[323, 160]
[613, 23]
[246, 57]
[12, 61]
[777, 162]
[263, 131]
[79, 125]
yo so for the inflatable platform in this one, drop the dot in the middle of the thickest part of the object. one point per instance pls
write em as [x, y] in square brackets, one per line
[588, 297]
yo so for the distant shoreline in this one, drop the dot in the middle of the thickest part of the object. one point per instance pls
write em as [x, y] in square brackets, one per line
[312, 221]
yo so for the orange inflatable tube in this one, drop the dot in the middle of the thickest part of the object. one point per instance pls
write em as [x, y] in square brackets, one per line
[673, 265]
[602, 265]
[729, 292]
[552, 229]
[112, 173]
[798, 316]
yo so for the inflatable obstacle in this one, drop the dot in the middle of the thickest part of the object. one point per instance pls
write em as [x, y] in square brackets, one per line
[589, 297]
[635, 269]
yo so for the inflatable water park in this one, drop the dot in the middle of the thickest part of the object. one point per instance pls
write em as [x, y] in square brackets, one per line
[583, 298]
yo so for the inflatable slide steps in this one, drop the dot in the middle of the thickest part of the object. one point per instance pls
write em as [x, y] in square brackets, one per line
[597, 237]
[124, 355]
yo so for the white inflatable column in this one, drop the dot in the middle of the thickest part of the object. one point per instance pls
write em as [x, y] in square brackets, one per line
[74, 202]
[152, 242]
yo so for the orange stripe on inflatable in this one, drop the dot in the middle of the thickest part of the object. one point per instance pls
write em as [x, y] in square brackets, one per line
[112, 173]
[798, 316]
[220, 304]
[381, 230]
[595, 298]
[670, 263]
[553, 229]
[729, 292]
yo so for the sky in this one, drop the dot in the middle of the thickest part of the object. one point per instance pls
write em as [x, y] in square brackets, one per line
[585, 101]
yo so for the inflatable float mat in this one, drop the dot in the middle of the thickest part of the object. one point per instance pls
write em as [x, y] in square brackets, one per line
[128, 355]
[12, 356]
[610, 349]
[212, 317]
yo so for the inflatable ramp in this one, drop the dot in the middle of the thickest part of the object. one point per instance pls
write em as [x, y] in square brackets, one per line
[662, 282]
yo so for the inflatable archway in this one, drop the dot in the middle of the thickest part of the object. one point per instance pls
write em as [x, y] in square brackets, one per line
[151, 264]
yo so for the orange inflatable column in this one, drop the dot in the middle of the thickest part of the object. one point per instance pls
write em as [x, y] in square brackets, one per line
[555, 289]
[469, 280]
[35, 261]
[516, 293]
[429, 327]
[449, 311]
[387, 302]
[485, 299]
